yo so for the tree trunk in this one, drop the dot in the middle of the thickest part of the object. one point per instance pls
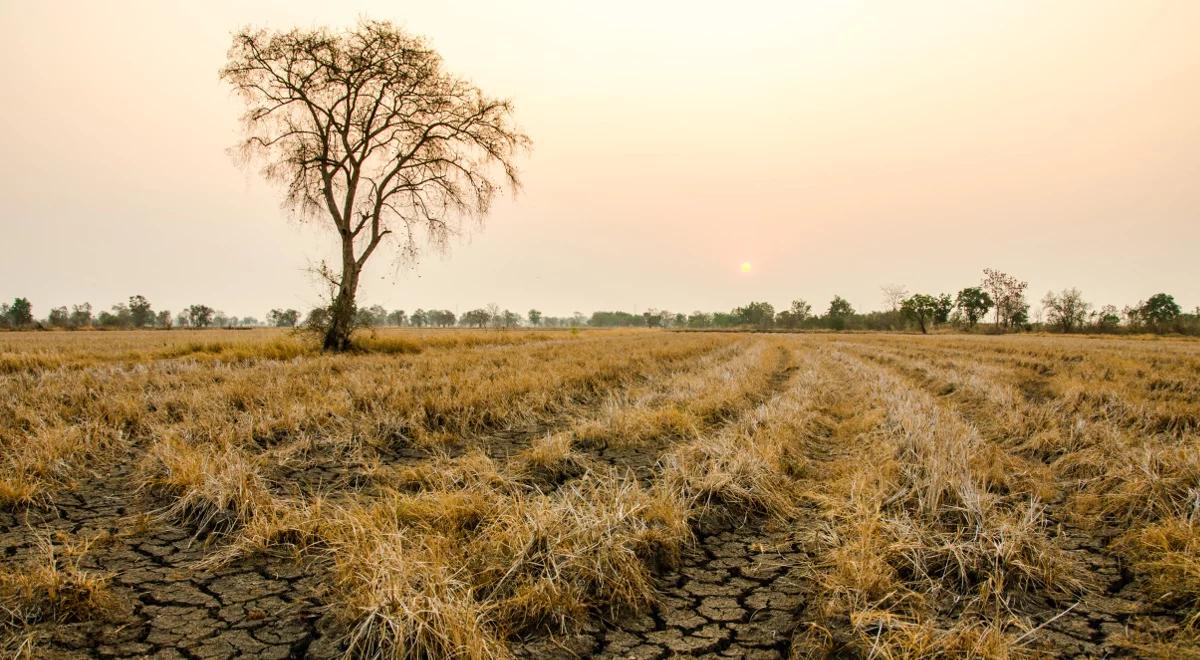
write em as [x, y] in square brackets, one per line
[341, 312]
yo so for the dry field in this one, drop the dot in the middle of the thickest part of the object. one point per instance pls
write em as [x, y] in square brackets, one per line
[625, 493]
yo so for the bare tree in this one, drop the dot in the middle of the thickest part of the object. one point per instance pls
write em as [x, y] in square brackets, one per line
[893, 295]
[1008, 294]
[494, 317]
[369, 134]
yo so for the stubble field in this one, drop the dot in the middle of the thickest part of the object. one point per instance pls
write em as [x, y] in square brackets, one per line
[613, 493]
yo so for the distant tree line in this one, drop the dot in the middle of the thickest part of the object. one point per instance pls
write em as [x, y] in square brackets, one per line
[996, 304]
[998, 298]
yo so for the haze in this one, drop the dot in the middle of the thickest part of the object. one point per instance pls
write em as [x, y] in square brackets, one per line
[836, 146]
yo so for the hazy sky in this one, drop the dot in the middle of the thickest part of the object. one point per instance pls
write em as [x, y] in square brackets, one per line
[836, 146]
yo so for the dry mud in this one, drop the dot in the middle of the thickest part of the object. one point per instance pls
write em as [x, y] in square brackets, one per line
[168, 607]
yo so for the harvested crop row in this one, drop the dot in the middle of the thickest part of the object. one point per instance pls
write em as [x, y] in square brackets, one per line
[53, 422]
[1118, 486]
[921, 553]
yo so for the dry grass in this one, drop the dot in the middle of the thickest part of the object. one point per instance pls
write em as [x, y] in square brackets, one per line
[210, 490]
[462, 488]
[49, 588]
[1168, 552]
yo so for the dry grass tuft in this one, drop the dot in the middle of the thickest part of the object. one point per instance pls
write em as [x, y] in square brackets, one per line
[213, 491]
[405, 596]
[1145, 483]
[728, 476]
[1168, 553]
[588, 541]
[453, 573]
[17, 490]
[549, 462]
[53, 588]
[473, 470]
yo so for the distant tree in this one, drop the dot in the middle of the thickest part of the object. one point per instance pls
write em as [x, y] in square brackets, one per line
[794, 316]
[59, 317]
[163, 320]
[758, 314]
[839, 311]
[477, 318]
[251, 322]
[973, 303]
[1159, 312]
[699, 319]
[1108, 318]
[613, 319]
[800, 310]
[679, 320]
[118, 317]
[200, 316]
[1008, 295]
[396, 318]
[894, 295]
[283, 318]
[222, 320]
[182, 319]
[419, 319]
[1066, 311]
[922, 308]
[725, 320]
[494, 316]
[365, 317]
[81, 315]
[443, 318]
[140, 314]
[943, 308]
[378, 314]
[20, 313]
[369, 132]
[535, 317]
[317, 319]
[511, 319]
[1018, 316]
[652, 318]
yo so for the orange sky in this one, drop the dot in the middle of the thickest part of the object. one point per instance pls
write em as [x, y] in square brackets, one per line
[836, 146]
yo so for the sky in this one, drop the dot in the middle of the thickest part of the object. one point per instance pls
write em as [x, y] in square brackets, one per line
[836, 146]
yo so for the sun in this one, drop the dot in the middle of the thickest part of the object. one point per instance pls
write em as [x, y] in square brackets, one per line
[746, 266]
